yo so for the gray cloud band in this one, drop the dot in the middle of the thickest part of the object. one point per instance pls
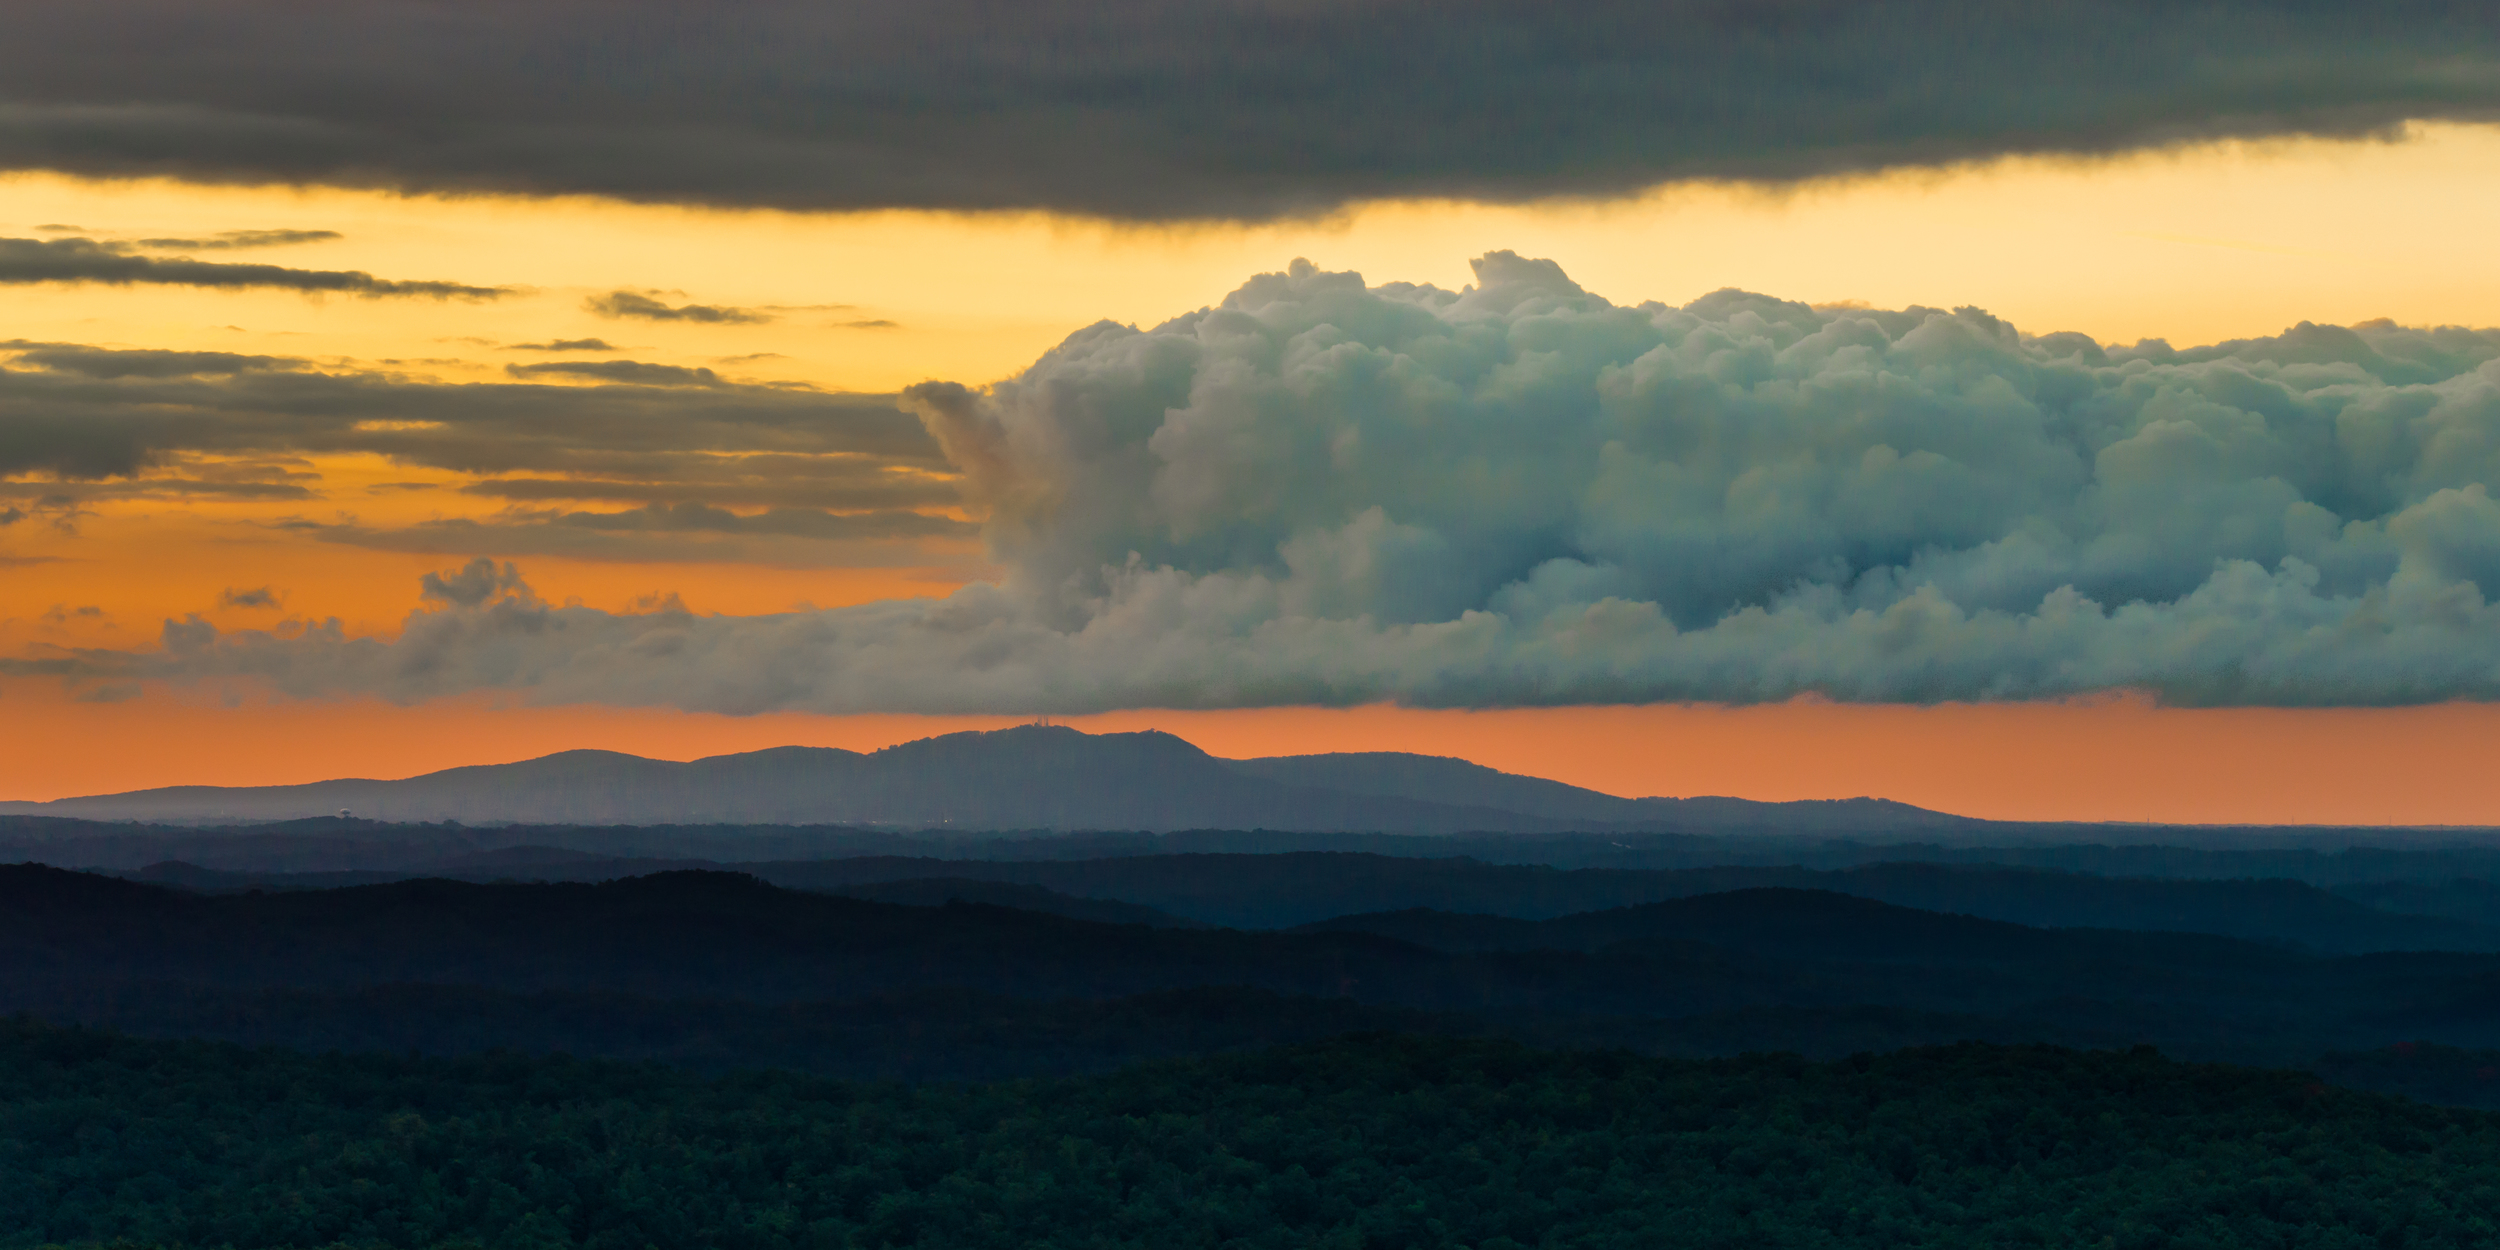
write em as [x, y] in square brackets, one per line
[85, 412]
[85, 260]
[1186, 108]
[1322, 492]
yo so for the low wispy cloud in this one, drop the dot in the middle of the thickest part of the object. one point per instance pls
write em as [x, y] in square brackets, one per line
[563, 345]
[855, 483]
[88, 261]
[684, 533]
[1324, 492]
[635, 305]
[79, 412]
[630, 371]
[234, 240]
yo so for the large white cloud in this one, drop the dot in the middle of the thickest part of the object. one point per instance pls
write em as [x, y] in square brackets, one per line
[1324, 492]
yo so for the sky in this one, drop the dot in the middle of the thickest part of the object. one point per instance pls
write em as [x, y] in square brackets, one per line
[1783, 400]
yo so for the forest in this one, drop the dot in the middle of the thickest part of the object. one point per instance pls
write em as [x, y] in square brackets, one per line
[1307, 1047]
[1369, 1140]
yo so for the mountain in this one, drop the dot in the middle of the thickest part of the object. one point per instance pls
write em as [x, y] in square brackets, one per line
[1033, 777]
[1440, 779]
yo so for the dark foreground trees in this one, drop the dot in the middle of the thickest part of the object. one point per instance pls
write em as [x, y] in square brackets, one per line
[1372, 1141]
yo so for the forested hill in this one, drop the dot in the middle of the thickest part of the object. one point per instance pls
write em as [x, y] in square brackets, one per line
[721, 969]
[1368, 1141]
[1282, 890]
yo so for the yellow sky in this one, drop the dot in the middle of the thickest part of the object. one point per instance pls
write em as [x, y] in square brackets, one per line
[2195, 246]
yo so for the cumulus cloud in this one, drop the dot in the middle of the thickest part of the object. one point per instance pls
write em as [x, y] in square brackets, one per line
[86, 260]
[641, 307]
[1325, 492]
[1185, 108]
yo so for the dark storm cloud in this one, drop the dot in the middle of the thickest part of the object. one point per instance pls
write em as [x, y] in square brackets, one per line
[85, 260]
[640, 307]
[1186, 108]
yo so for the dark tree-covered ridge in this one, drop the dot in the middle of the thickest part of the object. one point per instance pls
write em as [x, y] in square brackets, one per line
[1369, 1141]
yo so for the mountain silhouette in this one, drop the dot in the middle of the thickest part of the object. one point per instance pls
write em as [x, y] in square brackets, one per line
[1033, 777]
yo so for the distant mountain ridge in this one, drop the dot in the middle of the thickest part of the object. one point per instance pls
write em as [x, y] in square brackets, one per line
[1033, 777]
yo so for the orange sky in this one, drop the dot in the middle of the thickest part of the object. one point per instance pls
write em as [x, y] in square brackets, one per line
[2100, 759]
[2196, 246]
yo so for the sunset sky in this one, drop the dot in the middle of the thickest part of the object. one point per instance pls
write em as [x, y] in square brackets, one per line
[337, 443]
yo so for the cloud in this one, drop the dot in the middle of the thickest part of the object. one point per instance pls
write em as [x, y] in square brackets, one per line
[70, 494]
[794, 522]
[1323, 492]
[631, 371]
[256, 597]
[680, 533]
[639, 307]
[563, 345]
[81, 412]
[85, 260]
[62, 508]
[473, 584]
[847, 483]
[1186, 108]
[101, 362]
[11, 516]
[231, 240]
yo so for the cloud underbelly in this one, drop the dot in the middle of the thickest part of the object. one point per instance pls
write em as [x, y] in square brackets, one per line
[1321, 491]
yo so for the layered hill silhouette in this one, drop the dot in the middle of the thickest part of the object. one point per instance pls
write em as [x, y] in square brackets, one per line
[1282, 890]
[726, 969]
[1033, 777]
